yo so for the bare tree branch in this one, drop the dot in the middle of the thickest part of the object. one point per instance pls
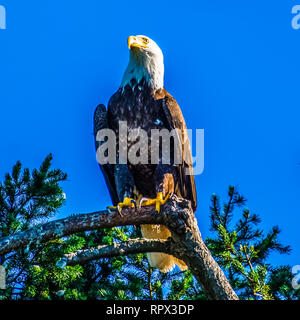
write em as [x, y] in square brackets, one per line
[131, 246]
[186, 242]
[77, 223]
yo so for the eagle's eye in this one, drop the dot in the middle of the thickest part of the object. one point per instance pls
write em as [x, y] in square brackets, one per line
[145, 40]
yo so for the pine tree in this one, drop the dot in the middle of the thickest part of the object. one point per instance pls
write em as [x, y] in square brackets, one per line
[29, 198]
[237, 243]
[26, 198]
[242, 250]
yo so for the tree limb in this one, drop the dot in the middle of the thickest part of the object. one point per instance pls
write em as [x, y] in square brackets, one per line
[186, 242]
[77, 223]
[131, 246]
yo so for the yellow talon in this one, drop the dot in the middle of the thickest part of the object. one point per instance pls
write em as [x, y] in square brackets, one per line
[127, 202]
[158, 201]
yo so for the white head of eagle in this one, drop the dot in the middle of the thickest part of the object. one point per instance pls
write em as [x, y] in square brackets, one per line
[146, 61]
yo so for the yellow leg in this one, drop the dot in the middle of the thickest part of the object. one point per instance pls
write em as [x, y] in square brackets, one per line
[158, 201]
[127, 202]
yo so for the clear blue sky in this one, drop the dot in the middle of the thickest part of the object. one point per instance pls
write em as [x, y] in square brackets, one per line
[232, 66]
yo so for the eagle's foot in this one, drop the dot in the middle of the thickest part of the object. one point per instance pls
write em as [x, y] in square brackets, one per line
[127, 202]
[158, 201]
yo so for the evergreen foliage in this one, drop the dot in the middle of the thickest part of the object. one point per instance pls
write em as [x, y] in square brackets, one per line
[237, 243]
[242, 249]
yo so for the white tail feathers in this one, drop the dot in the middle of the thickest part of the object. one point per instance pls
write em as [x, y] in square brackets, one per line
[164, 262]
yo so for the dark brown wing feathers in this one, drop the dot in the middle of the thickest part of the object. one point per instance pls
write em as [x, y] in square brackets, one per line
[100, 122]
[176, 120]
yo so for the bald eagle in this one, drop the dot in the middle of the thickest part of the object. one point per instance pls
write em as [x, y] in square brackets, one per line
[143, 103]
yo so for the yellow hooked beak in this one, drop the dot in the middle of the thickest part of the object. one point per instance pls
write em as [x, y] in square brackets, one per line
[136, 42]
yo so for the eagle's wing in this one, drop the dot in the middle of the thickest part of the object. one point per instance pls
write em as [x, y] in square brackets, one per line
[100, 122]
[175, 120]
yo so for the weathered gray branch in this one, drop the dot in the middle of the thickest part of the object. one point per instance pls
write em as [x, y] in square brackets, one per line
[77, 223]
[131, 246]
[186, 242]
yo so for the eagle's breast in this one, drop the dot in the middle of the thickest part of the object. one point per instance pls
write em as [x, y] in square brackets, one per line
[135, 105]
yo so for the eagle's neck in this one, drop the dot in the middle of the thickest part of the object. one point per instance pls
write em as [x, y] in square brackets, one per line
[149, 68]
